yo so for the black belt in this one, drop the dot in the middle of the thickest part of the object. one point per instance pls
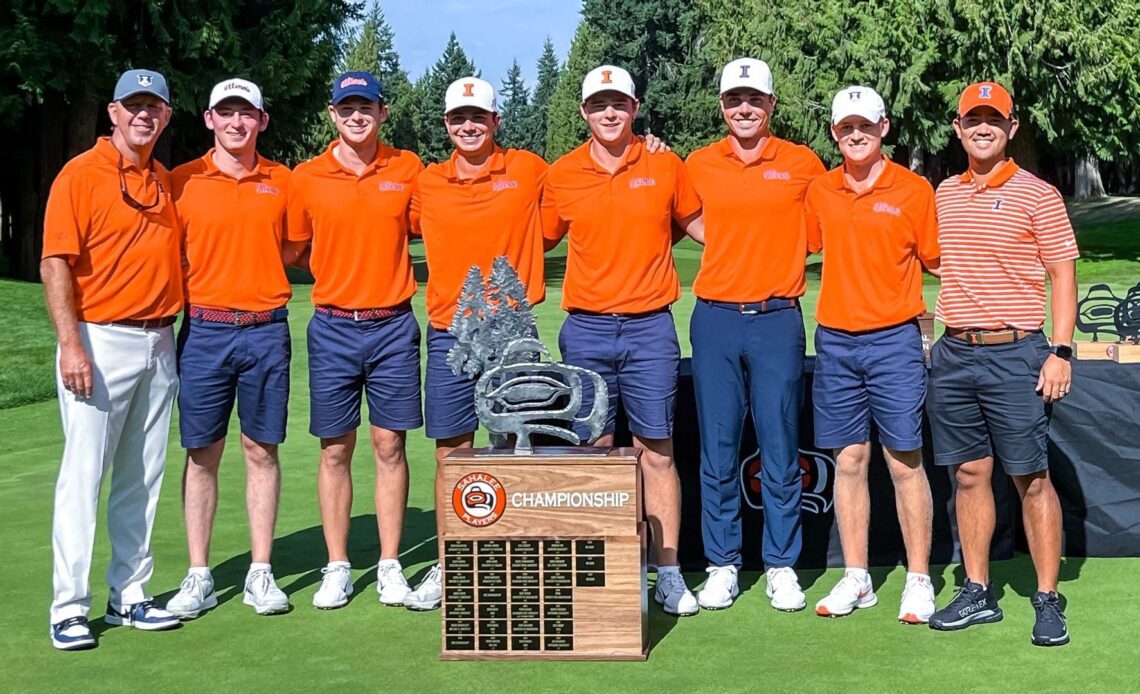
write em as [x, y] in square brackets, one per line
[643, 314]
[146, 323]
[755, 307]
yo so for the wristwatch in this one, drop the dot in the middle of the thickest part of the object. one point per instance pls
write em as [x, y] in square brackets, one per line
[1062, 351]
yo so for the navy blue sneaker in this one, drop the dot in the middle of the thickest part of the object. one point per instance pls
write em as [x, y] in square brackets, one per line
[142, 615]
[1050, 628]
[72, 634]
[974, 604]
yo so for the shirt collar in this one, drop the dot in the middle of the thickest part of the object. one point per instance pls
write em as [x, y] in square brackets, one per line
[383, 154]
[885, 179]
[767, 152]
[497, 164]
[106, 149]
[1005, 171]
[632, 155]
[211, 168]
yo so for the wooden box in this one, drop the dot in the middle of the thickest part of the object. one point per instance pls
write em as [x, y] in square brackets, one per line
[543, 556]
[1087, 350]
[1124, 353]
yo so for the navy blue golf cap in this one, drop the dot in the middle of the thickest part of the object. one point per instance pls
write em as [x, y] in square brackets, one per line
[356, 83]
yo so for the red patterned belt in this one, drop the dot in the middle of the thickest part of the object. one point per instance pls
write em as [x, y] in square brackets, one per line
[145, 323]
[364, 313]
[217, 315]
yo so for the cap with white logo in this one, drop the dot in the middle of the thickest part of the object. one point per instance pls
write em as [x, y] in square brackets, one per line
[237, 89]
[608, 78]
[746, 73]
[134, 82]
[470, 91]
[858, 101]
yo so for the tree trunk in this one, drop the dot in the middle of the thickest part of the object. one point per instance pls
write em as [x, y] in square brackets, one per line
[1086, 177]
[917, 160]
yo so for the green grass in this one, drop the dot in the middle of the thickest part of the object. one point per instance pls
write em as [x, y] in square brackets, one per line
[367, 647]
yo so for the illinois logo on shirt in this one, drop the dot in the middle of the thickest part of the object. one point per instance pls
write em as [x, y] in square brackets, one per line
[504, 184]
[390, 185]
[642, 182]
[266, 189]
[885, 208]
[773, 175]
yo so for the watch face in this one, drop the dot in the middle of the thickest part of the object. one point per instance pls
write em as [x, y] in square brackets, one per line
[1063, 351]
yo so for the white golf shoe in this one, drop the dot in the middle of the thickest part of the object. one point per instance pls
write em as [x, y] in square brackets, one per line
[336, 586]
[784, 589]
[720, 589]
[917, 600]
[390, 583]
[428, 593]
[850, 594]
[195, 596]
[673, 595]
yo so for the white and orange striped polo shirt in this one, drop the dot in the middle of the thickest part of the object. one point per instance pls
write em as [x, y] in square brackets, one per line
[995, 239]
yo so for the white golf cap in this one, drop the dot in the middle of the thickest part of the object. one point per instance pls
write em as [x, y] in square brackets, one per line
[470, 91]
[608, 78]
[237, 89]
[858, 101]
[746, 73]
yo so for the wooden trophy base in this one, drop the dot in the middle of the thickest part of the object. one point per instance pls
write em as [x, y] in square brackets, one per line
[543, 556]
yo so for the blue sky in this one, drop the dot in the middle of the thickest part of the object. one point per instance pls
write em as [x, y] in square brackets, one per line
[492, 32]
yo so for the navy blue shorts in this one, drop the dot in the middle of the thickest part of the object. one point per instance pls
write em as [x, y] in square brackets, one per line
[984, 401]
[876, 375]
[638, 356]
[218, 363]
[381, 356]
[449, 399]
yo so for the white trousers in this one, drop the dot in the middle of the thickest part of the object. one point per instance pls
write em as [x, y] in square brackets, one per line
[124, 426]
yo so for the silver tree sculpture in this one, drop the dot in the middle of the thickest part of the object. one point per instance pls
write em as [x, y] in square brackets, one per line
[518, 391]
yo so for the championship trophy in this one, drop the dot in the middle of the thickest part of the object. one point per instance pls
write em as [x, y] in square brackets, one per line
[542, 547]
[1101, 313]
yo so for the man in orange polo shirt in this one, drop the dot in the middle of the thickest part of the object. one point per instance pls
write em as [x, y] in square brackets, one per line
[353, 202]
[747, 331]
[618, 203]
[482, 203]
[235, 343]
[993, 373]
[874, 221]
[112, 279]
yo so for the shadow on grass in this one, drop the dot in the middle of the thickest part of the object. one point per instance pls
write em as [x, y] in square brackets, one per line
[303, 552]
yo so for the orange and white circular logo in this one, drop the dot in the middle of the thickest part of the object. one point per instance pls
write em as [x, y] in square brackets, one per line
[478, 499]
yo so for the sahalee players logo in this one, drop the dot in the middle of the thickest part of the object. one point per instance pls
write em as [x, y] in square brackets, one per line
[818, 481]
[478, 499]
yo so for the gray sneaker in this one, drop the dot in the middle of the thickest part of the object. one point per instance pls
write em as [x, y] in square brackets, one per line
[195, 596]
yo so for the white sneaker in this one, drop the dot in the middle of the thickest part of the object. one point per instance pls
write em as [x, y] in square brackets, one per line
[917, 600]
[336, 586]
[262, 593]
[674, 596]
[720, 589]
[427, 594]
[784, 589]
[847, 595]
[390, 583]
[195, 596]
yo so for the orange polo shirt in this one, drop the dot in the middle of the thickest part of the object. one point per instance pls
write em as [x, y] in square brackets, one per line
[233, 234]
[621, 249]
[472, 222]
[755, 240]
[872, 244]
[359, 227]
[125, 263]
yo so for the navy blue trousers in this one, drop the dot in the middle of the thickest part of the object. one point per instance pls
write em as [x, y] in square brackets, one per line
[749, 364]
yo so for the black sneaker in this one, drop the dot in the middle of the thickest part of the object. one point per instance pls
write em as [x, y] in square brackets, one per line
[974, 604]
[1050, 628]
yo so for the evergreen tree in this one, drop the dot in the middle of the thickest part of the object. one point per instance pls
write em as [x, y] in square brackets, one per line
[565, 128]
[514, 100]
[548, 73]
[434, 144]
[369, 47]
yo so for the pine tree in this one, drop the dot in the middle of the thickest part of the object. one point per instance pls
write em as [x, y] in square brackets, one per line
[548, 73]
[514, 100]
[565, 128]
[434, 144]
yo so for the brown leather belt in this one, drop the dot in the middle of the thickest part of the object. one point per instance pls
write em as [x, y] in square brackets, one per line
[365, 313]
[145, 323]
[215, 315]
[988, 337]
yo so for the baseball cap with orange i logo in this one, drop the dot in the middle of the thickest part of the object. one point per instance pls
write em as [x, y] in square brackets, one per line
[608, 78]
[989, 94]
[470, 91]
